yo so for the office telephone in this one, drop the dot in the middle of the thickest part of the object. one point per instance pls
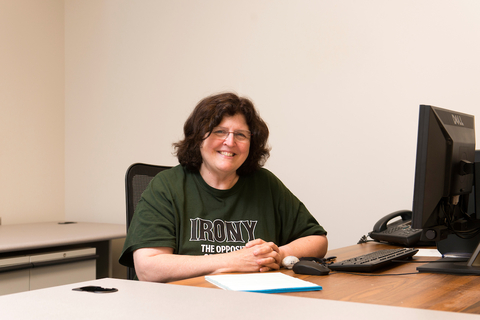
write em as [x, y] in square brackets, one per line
[397, 231]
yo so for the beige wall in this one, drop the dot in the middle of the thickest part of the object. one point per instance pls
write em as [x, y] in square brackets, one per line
[338, 82]
[32, 107]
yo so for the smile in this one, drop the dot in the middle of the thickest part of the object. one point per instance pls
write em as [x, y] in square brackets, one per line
[227, 154]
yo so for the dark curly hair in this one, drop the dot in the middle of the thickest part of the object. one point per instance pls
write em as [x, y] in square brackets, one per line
[208, 114]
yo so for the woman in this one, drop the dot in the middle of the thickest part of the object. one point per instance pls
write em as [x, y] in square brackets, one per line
[219, 210]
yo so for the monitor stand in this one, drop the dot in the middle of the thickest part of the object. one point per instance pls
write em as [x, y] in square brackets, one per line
[466, 263]
[455, 265]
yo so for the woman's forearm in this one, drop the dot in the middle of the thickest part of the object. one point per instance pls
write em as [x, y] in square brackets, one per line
[161, 265]
[310, 246]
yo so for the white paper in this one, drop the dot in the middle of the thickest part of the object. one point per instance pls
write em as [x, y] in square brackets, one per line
[428, 253]
[261, 282]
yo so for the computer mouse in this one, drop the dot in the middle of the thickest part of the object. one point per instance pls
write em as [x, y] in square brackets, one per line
[310, 268]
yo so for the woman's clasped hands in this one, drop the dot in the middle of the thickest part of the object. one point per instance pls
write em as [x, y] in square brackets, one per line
[262, 256]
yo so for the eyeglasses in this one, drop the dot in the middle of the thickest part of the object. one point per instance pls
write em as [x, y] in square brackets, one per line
[239, 135]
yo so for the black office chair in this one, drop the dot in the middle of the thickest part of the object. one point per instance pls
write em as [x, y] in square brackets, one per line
[137, 178]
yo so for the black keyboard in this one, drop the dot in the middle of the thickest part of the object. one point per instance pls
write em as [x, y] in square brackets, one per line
[372, 261]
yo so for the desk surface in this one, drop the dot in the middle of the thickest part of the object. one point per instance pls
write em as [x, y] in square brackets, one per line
[420, 290]
[17, 237]
[144, 300]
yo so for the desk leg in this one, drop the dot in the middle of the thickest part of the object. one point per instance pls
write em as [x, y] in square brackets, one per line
[107, 263]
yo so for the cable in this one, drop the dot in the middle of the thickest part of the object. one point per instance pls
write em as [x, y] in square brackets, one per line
[364, 239]
[449, 213]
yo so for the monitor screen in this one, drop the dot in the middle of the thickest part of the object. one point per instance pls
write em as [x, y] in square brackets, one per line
[443, 172]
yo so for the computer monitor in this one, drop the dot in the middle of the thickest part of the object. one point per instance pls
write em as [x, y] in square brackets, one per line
[444, 186]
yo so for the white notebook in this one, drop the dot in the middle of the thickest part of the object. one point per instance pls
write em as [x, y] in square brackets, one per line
[272, 282]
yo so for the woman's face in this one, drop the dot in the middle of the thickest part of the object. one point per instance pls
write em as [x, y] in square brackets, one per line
[223, 156]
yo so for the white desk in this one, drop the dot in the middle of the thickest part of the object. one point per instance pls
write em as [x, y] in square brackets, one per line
[142, 300]
[17, 237]
[33, 238]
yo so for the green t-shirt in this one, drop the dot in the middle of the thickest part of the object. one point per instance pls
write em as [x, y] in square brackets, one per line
[180, 210]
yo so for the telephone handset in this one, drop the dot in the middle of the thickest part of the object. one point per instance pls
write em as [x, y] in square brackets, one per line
[399, 231]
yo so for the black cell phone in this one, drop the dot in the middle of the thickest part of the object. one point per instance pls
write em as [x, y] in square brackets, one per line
[96, 289]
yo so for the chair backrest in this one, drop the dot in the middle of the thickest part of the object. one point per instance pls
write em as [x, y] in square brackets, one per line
[137, 178]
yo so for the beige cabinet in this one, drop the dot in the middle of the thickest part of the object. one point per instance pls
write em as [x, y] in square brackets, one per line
[14, 275]
[47, 270]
